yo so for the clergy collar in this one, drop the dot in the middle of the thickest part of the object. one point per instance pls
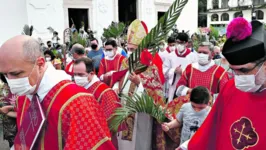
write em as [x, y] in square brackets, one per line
[94, 79]
[183, 54]
[50, 78]
[107, 58]
[203, 68]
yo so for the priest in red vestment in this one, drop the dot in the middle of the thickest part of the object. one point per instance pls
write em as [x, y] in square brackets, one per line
[203, 73]
[84, 76]
[237, 119]
[111, 63]
[77, 51]
[74, 119]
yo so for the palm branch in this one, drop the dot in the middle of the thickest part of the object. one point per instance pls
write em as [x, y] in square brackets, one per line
[136, 104]
[115, 30]
[158, 33]
[27, 30]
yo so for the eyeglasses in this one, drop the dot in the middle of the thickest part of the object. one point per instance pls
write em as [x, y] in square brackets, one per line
[245, 70]
[180, 42]
[108, 49]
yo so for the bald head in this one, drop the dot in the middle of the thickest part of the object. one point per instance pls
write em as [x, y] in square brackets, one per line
[78, 51]
[24, 47]
[22, 57]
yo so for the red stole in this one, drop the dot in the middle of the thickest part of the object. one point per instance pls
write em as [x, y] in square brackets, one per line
[62, 129]
[68, 71]
[167, 49]
[188, 51]
[216, 77]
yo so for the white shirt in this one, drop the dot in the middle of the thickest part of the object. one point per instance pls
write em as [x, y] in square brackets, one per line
[94, 79]
[50, 78]
[170, 66]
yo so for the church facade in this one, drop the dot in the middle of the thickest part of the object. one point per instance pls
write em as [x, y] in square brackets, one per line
[94, 14]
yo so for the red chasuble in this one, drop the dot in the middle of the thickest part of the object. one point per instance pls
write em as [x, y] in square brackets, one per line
[107, 98]
[69, 68]
[74, 120]
[110, 65]
[237, 121]
[214, 78]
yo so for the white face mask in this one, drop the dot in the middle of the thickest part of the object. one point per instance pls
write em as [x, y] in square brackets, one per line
[203, 59]
[180, 48]
[172, 48]
[161, 46]
[247, 83]
[48, 59]
[21, 86]
[109, 54]
[81, 81]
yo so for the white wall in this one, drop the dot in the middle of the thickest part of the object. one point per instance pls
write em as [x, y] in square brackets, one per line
[13, 18]
[45, 13]
[150, 9]
[188, 19]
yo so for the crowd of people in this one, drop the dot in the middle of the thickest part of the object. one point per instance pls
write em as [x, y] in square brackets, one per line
[224, 87]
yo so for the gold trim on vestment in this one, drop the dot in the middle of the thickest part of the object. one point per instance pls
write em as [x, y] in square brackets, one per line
[100, 143]
[211, 84]
[99, 98]
[59, 129]
[254, 130]
[48, 110]
[220, 81]
[191, 74]
[96, 88]
[23, 109]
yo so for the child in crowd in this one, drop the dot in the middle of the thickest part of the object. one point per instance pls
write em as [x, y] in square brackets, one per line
[192, 114]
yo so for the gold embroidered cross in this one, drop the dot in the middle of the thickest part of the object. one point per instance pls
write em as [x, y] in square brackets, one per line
[242, 134]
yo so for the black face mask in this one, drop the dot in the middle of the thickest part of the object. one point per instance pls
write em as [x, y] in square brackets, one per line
[94, 46]
[49, 46]
[217, 57]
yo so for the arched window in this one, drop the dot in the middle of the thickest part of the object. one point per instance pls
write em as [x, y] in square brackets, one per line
[259, 15]
[238, 14]
[225, 17]
[214, 17]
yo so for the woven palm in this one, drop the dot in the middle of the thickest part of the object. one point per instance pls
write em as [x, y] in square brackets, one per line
[137, 104]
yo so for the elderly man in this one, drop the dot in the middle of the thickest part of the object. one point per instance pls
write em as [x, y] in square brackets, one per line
[77, 51]
[216, 52]
[203, 73]
[236, 120]
[72, 115]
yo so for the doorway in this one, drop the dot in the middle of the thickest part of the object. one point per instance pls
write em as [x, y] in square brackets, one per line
[160, 14]
[127, 10]
[79, 17]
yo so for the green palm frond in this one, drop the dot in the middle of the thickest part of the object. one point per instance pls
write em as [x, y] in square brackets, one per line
[136, 104]
[115, 30]
[159, 32]
[75, 38]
